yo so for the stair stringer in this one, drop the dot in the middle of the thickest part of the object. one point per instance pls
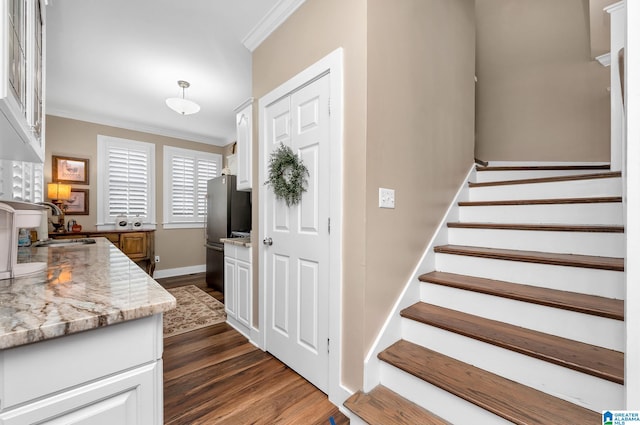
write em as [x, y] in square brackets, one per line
[391, 331]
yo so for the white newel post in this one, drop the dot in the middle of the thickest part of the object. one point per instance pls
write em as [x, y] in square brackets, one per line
[618, 24]
[632, 204]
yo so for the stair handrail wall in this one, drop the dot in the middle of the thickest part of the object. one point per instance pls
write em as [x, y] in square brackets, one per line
[617, 12]
[391, 330]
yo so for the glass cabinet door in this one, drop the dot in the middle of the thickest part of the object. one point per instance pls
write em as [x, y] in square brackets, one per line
[17, 51]
[36, 93]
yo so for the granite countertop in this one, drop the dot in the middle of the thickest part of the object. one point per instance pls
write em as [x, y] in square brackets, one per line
[245, 242]
[84, 287]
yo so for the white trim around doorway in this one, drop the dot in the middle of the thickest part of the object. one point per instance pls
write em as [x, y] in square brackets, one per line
[331, 64]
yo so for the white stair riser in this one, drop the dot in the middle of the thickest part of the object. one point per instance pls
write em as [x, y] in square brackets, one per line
[438, 401]
[576, 387]
[604, 283]
[585, 243]
[588, 214]
[600, 331]
[566, 189]
[494, 176]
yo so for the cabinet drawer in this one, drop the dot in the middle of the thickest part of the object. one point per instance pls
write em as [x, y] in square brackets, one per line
[243, 254]
[126, 399]
[114, 238]
[237, 252]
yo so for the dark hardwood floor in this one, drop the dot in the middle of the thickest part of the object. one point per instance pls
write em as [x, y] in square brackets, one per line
[214, 375]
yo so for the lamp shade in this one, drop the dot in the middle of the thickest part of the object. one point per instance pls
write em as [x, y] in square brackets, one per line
[59, 191]
[183, 106]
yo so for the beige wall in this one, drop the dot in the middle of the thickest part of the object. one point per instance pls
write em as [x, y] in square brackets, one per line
[408, 125]
[600, 27]
[176, 247]
[420, 134]
[540, 97]
[316, 29]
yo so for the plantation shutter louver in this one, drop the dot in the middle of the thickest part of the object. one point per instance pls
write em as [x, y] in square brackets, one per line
[206, 171]
[128, 182]
[187, 172]
[182, 191]
[25, 180]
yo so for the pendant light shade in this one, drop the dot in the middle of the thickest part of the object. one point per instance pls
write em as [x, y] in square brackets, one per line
[182, 105]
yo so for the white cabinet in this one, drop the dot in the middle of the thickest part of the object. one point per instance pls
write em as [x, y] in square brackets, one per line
[238, 287]
[244, 133]
[22, 56]
[110, 375]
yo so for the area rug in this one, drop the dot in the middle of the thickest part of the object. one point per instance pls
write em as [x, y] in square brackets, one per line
[195, 309]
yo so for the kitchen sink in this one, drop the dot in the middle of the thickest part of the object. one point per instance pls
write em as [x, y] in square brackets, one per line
[64, 242]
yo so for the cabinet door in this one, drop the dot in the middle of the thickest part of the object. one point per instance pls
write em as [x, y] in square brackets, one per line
[125, 399]
[35, 106]
[21, 80]
[244, 130]
[230, 286]
[243, 285]
[134, 245]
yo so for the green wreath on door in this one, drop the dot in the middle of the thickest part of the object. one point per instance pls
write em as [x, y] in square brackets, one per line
[287, 175]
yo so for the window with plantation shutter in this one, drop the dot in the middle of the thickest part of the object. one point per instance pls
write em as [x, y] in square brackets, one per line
[185, 185]
[126, 181]
[21, 181]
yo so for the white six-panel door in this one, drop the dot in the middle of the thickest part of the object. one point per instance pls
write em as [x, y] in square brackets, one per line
[297, 262]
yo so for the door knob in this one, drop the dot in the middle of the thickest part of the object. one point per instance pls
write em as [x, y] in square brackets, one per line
[267, 241]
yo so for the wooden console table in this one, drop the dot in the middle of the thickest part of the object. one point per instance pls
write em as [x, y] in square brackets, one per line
[139, 245]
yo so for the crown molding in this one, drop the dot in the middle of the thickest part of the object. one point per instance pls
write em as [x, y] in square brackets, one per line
[268, 24]
[134, 126]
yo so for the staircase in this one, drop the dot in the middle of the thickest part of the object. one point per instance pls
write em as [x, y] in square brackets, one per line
[522, 320]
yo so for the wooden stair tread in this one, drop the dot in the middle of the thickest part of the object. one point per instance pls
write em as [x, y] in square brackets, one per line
[594, 200]
[381, 406]
[609, 175]
[508, 399]
[586, 358]
[544, 167]
[571, 260]
[539, 227]
[582, 303]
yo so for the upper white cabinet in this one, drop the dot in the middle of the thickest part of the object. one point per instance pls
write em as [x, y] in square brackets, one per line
[22, 51]
[244, 130]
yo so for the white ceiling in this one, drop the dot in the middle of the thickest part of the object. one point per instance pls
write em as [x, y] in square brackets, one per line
[115, 62]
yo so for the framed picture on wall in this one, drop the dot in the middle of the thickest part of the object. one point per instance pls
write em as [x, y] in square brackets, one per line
[79, 202]
[69, 170]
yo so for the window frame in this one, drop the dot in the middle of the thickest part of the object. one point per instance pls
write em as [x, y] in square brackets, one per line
[105, 143]
[196, 221]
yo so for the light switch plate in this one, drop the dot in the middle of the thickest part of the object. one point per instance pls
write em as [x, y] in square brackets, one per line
[386, 198]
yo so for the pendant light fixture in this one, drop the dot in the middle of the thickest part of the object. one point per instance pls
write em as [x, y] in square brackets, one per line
[182, 105]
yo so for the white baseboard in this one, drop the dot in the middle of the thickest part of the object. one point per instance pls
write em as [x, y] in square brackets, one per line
[179, 271]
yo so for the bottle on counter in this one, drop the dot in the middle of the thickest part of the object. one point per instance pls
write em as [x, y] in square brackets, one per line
[24, 237]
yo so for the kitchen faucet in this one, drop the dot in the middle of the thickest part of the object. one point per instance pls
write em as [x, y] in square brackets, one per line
[55, 210]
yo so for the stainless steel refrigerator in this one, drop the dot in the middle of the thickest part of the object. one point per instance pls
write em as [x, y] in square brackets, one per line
[228, 212]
